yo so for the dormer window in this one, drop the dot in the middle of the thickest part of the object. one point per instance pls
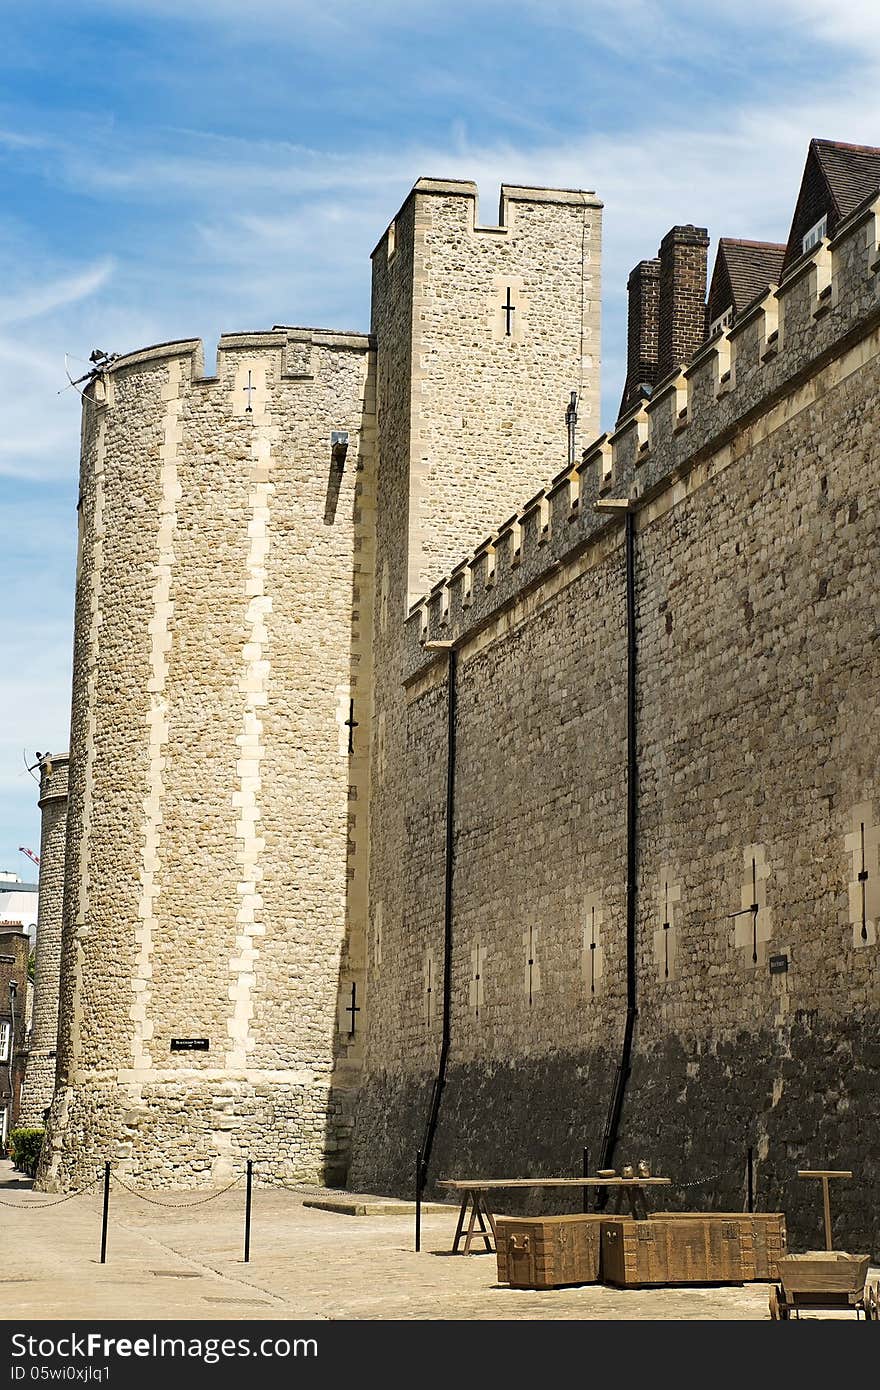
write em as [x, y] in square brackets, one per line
[723, 321]
[815, 234]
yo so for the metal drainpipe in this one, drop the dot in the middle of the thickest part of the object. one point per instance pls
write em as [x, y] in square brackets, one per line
[13, 990]
[440, 1079]
[612, 1123]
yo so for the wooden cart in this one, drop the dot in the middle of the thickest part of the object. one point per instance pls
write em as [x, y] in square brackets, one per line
[823, 1279]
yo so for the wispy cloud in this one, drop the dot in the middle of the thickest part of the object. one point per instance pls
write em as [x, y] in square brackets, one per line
[42, 299]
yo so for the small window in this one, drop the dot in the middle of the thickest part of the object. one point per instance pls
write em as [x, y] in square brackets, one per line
[5, 1040]
[392, 240]
[815, 234]
[723, 321]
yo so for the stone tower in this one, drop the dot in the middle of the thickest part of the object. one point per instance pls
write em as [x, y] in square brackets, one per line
[483, 333]
[39, 1082]
[214, 886]
[225, 752]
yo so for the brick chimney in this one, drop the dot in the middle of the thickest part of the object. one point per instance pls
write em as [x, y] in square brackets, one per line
[643, 289]
[683, 256]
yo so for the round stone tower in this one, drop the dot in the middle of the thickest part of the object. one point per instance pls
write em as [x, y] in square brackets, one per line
[211, 997]
[39, 1082]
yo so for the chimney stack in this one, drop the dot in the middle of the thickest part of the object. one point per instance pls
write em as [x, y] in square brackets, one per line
[683, 257]
[643, 289]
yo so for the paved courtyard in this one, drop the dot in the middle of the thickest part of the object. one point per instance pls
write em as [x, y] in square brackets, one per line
[174, 1261]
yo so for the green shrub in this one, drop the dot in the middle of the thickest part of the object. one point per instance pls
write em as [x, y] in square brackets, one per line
[25, 1146]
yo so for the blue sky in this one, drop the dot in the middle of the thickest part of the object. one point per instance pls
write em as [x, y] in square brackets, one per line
[185, 169]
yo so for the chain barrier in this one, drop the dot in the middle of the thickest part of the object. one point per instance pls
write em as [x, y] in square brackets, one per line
[305, 1189]
[698, 1182]
[175, 1206]
[56, 1201]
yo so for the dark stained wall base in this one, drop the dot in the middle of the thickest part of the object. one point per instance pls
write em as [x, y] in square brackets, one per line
[805, 1096]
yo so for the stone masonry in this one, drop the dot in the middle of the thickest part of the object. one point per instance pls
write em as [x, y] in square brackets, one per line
[220, 814]
[39, 1081]
[753, 479]
[215, 893]
[268, 622]
[467, 416]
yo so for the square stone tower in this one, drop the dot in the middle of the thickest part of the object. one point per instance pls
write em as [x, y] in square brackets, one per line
[484, 336]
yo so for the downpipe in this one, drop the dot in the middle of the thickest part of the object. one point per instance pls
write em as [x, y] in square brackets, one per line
[624, 1066]
[423, 1156]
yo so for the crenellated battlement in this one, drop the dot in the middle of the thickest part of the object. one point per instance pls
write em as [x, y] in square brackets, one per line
[751, 377]
[297, 353]
[467, 191]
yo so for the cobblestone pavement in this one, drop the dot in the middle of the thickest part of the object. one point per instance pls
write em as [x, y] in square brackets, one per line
[164, 1263]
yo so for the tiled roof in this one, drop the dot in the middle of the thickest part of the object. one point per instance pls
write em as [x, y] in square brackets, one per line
[743, 270]
[852, 172]
[836, 179]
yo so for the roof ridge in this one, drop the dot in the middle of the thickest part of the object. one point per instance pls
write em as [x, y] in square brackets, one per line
[758, 245]
[843, 145]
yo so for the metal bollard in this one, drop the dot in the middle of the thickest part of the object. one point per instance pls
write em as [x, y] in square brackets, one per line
[418, 1200]
[106, 1212]
[247, 1212]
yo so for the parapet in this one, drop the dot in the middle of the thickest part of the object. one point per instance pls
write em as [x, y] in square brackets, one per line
[54, 768]
[510, 194]
[298, 348]
[824, 305]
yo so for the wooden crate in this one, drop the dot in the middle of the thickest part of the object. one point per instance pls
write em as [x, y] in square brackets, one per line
[678, 1249]
[544, 1252]
[765, 1228]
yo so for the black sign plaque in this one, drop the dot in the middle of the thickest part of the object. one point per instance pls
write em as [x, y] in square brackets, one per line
[190, 1044]
[778, 965]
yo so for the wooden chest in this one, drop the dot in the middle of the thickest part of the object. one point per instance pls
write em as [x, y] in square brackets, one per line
[767, 1232]
[687, 1248]
[543, 1252]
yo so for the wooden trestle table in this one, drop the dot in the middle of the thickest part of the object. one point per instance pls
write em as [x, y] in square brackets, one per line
[474, 1195]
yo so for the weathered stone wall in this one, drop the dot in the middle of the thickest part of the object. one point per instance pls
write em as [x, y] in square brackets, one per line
[758, 879]
[468, 415]
[39, 1082]
[216, 840]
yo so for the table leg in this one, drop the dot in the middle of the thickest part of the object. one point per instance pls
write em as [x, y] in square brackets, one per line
[482, 1211]
[475, 1207]
[491, 1220]
[460, 1227]
[477, 1211]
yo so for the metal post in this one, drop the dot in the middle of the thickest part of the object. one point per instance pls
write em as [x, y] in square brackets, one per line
[586, 1202]
[418, 1200]
[106, 1211]
[247, 1212]
[750, 1171]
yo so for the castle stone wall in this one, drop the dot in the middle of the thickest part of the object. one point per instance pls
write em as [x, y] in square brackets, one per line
[754, 479]
[39, 1081]
[215, 887]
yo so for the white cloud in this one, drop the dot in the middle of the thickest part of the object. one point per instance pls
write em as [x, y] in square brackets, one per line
[43, 298]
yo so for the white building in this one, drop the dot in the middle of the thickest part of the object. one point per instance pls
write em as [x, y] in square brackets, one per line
[18, 904]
